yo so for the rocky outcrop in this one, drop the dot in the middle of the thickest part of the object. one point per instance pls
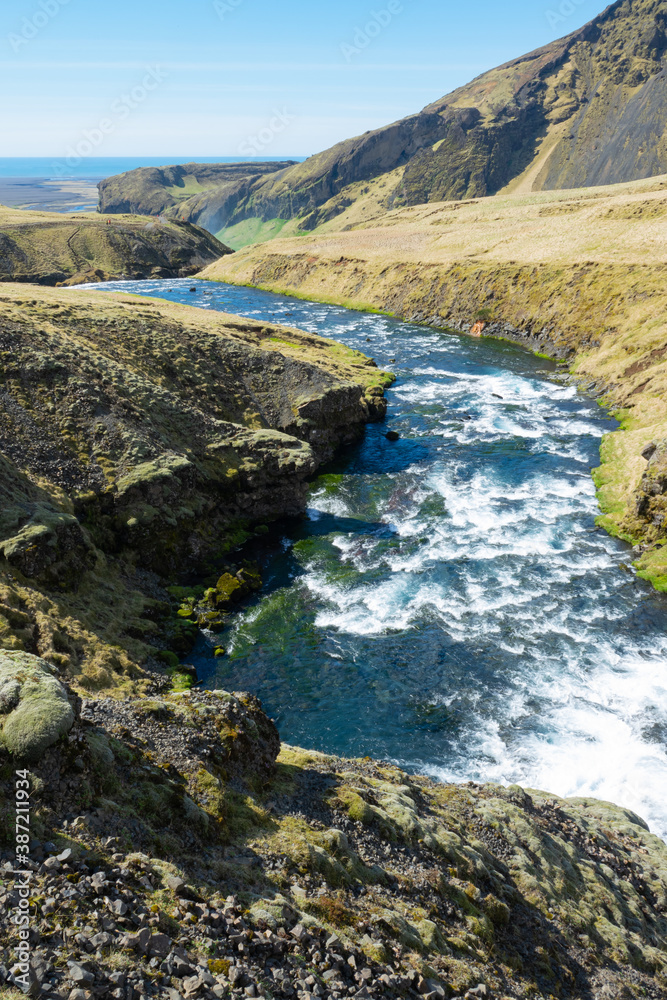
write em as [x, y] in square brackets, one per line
[651, 496]
[225, 866]
[140, 442]
[51, 249]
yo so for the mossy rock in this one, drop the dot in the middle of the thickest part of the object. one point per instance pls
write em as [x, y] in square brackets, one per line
[227, 589]
[35, 709]
[168, 658]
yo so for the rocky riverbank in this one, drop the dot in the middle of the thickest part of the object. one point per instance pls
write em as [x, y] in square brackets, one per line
[177, 851]
[50, 249]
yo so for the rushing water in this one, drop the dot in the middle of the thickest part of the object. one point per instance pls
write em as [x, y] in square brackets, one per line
[448, 603]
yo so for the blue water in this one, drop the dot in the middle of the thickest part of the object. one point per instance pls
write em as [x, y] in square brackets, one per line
[97, 168]
[448, 602]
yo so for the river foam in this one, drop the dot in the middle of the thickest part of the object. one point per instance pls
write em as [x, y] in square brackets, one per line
[449, 603]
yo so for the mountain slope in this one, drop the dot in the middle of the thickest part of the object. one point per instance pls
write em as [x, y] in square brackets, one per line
[596, 99]
[201, 192]
[587, 109]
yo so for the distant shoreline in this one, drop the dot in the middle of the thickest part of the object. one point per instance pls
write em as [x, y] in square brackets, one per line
[47, 195]
[50, 184]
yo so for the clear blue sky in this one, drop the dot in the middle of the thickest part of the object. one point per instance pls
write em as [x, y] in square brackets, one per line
[222, 75]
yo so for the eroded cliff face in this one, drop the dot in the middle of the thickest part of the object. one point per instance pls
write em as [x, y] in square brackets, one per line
[203, 192]
[135, 438]
[606, 82]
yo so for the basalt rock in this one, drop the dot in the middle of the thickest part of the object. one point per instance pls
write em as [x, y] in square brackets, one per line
[651, 496]
[175, 852]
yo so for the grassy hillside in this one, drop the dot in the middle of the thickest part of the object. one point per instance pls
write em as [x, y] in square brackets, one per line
[578, 274]
[204, 193]
[49, 249]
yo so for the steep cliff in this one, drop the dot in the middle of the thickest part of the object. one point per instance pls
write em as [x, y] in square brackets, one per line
[205, 193]
[589, 109]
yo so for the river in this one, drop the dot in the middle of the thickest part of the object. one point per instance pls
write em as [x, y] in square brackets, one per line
[448, 603]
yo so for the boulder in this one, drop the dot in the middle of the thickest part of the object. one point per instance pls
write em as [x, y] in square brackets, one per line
[35, 709]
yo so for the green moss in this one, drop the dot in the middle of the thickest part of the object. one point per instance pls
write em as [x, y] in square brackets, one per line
[497, 911]
[227, 588]
[219, 966]
[36, 703]
[288, 343]
[158, 710]
[234, 538]
[168, 658]
[183, 593]
[181, 681]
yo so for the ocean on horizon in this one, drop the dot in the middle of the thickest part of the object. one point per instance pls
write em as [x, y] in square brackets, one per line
[97, 168]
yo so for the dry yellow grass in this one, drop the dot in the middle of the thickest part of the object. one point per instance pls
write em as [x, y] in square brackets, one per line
[580, 271]
[621, 222]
